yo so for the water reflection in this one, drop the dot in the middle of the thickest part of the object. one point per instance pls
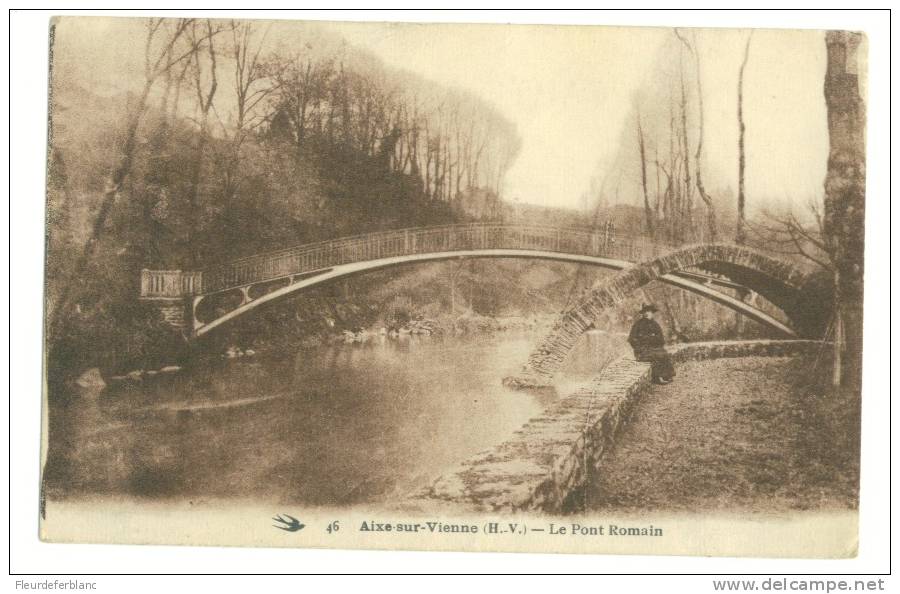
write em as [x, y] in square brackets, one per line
[344, 424]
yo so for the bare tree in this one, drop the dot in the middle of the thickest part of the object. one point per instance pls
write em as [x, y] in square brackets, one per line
[835, 240]
[687, 206]
[206, 83]
[648, 211]
[789, 234]
[162, 53]
[698, 155]
[741, 198]
[251, 84]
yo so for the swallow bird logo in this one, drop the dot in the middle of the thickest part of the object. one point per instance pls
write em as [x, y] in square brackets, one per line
[287, 523]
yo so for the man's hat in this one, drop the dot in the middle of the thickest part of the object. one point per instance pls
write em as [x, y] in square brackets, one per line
[648, 307]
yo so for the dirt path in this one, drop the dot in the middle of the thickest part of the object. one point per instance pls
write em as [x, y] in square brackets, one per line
[750, 434]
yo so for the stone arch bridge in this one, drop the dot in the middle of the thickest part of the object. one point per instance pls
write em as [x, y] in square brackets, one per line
[785, 286]
[201, 301]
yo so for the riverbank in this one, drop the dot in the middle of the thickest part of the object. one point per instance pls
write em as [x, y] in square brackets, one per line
[467, 324]
[456, 325]
[551, 462]
[744, 435]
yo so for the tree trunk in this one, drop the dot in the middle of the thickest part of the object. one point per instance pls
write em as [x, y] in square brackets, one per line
[844, 212]
[113, 184]
[838, 338]
[741, 198]
[712, 232]
[648, 212]
[687, 206]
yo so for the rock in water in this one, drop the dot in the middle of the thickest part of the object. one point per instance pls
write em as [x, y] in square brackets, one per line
[92, 378]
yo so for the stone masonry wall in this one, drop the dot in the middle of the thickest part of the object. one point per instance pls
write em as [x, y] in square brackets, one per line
[172, 311]
[549, 457]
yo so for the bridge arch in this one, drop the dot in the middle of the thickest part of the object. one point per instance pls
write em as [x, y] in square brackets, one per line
[282, 288]
[201, 301]
[667, 269]
[781, 283]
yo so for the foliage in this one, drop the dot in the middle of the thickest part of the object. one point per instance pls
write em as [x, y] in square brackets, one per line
[234, 146]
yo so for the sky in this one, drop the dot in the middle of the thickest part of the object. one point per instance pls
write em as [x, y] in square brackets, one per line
[569, 90]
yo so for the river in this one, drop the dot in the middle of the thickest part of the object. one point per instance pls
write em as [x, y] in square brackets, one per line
[339, 425]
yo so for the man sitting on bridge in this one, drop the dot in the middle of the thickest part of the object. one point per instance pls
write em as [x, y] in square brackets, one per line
[646, 338]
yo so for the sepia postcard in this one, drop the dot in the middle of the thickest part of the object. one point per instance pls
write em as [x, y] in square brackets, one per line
[470, 287]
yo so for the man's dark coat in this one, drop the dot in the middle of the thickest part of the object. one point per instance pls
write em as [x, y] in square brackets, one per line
[648, 342]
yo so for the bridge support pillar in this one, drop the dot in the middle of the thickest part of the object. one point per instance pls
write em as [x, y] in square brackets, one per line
[173, 311]
[195, 323]
[169, 292]
[245, 295]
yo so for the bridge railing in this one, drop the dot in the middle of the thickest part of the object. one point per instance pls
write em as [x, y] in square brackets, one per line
[397, 243]
[407, 242]
[170, 284]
